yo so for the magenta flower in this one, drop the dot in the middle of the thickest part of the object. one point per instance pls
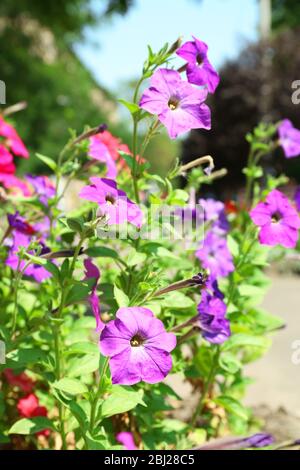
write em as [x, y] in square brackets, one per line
[278, 220]
[113, 202]
[212, 310]
[99, 151]
[178, 105]
[126, 438]
[297, 198]
[199, 70]
[93, 272]
[215, 255]
[138, 347]
[12, 139]
[289, 138]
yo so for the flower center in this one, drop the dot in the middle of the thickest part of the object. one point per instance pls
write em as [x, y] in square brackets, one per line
[110, 199]
[173, 103]
[136, 340]
[276, 217]
[199, 60]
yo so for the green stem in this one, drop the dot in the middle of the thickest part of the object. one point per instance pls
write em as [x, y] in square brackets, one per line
[97, 395]
[207, 385]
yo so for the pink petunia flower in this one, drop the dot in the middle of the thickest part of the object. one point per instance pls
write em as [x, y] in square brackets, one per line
[12, 139]
[138, 347]
[100, 151]
[113, 202]
[126, 438]
[178, 105]
[93, 272]
[199, 70]
[289, 138]
[279, 222]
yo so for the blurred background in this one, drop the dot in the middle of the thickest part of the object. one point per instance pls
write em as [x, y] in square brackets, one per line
[72, 61]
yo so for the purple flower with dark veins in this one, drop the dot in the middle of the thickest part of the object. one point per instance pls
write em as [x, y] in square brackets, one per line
[212, 310]
[178, 105]
[113, 202]
[289, 138]
[278, 220]
[199, 70]
[92, 272]
[138, 347]
[215, 256]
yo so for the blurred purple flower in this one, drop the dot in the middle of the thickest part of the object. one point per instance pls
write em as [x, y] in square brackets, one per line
[43, 187]
[33, 270]
[297, 198]
[138, 346]
[289, 138]
[215, 255]
[212, 310]
[178, 105]
[214, 212]
[199, 70]
[126, 438]
[93, 272]
[113, 202]
[19, 223]
[279, 222]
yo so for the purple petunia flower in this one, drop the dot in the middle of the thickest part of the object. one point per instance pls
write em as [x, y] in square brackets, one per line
[113, 202]
[19, 223]
[215, 255]
[199, 70]
[99, 151]
[43, 187]
[289, 138]
[233, 443]
[214, 212]
[93, 272]
[126, 438]
[138, 346]
[212, 310]
[33, 270]
[297, 198]
[278, 219]
[178, 105]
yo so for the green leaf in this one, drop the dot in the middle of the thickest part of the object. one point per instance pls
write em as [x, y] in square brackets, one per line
[53, 269]
[121, 298]
[229, 363]
[241, 339]
[82, 347]
[122, 399]
[177, 300]
[48, 161]
[133, 108]
[71, 386]
[233, 246]
[79, 291]
[84, 365]
[232, 406]
[31, 426]
[75, 224]
[22, 357]
[36, 259]
[101, 252]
